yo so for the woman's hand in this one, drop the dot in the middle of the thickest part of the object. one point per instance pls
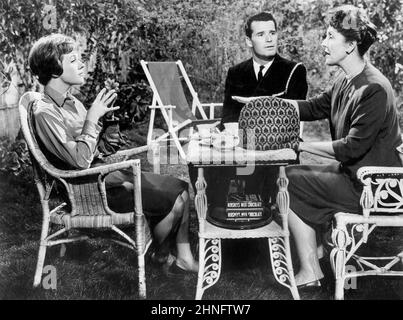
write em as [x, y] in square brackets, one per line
[100, 105]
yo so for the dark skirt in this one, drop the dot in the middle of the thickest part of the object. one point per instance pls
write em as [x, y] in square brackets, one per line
[317, 192]
[158, 192]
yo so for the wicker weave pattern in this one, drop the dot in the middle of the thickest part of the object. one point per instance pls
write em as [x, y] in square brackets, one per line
[88, 200]
[87, 196]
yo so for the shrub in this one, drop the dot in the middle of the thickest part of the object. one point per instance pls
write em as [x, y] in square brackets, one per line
[14, 158]
[206, 35]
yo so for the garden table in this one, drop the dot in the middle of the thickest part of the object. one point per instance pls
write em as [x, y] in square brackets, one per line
[202, 156]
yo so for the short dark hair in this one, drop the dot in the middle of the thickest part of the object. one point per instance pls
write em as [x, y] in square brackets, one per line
[45, 57]
[262, 16]
[354, 25]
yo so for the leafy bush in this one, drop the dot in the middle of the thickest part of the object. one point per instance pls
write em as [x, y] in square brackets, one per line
[14, 158]
[206, 35]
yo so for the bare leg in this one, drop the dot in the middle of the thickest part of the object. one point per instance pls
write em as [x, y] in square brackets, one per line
[179, 212]
[185, 259]
[305, 240]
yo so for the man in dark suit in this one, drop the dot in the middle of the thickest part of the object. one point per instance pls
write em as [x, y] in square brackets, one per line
[266, 73]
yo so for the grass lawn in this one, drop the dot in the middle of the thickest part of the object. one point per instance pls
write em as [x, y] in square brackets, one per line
[99, 269]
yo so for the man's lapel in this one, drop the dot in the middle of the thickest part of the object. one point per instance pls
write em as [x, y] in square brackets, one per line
[250, 76]
[270, 81]
[272, 71]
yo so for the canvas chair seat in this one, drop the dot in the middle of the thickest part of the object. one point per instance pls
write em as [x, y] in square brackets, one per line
[86, 193]
[178, 102]
[166, 79]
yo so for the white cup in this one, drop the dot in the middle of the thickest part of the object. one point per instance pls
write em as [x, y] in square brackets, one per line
[204, 130]
[232, 128]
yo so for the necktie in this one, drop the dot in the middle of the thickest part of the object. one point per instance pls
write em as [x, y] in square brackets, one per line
[260, 74]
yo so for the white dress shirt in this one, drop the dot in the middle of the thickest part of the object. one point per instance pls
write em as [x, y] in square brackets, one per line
[256, 67]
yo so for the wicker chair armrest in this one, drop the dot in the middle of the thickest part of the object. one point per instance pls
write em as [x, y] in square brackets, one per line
[373, 172]
[103, 170]
[123, 155]
[133, 151]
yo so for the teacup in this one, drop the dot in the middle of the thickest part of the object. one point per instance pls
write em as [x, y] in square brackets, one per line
[232, 128]
[204, 130]
[225, 141]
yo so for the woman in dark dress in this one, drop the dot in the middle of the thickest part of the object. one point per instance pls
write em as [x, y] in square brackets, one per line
[70, 134]
[364, 127]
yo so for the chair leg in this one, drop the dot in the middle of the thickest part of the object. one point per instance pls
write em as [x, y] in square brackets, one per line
[340, 260]
[281, 263]
[338, 257]
[199, 288]
[293, 285]
[43, 243]
[39, 265]
[339, 290]
[151, 127]
[209, 265]
[140, 248]
[142, 276]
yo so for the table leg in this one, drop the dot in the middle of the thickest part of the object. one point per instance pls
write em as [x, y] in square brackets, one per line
[280, 252]
[201, 198]
[209, 249]
[209, 264]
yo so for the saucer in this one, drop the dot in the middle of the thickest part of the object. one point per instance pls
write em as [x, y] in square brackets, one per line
[225, 142]
[205, 142]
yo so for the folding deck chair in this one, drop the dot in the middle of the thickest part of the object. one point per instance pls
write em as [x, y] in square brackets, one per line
[167, 81]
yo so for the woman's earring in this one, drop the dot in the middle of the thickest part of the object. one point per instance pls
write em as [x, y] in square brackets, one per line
[350, 51]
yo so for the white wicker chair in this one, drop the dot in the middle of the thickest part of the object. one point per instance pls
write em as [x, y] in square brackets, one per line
[382, 206]
[87, 196]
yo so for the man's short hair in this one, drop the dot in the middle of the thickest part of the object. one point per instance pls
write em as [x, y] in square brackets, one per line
[45, 57]
[262, 16]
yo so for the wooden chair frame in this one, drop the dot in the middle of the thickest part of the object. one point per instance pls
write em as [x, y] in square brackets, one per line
[167, 111]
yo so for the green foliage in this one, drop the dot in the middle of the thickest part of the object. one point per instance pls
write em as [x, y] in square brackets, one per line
[14, 157]
[206, 35]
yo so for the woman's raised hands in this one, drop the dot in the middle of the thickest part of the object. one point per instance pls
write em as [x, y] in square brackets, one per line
[100, 105]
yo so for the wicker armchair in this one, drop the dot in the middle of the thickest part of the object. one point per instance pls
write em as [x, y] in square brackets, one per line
[382, 206]
[86, 192]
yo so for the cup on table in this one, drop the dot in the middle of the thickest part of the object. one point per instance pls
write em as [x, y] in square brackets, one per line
[204, 130]
[232, 128]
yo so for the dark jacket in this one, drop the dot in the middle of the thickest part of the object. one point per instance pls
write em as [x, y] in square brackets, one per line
[241, 81]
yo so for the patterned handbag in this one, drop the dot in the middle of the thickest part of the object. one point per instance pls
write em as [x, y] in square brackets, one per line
[269, 123]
